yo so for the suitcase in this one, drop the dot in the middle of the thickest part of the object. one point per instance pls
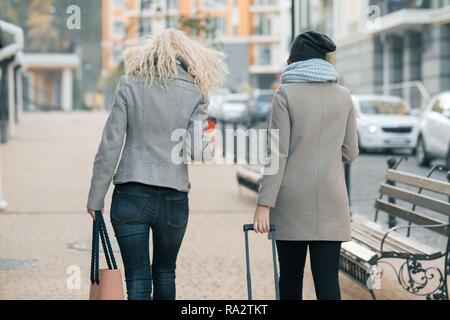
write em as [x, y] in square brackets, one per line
[250, 227]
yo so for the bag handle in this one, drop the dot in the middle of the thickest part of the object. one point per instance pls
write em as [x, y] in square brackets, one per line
[94, 253]
[106, 243]
[99, 231]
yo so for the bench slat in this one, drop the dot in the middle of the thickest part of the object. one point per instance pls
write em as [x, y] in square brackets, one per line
[254, 168]
[415, 198]
[412, 216]
[405, 243]
[366, 239]
[373, 239]
[249, 175]
[358, 251]
[419, 182]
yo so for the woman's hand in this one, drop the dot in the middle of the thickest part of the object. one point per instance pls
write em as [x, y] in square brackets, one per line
[92, 212]
[261, 220]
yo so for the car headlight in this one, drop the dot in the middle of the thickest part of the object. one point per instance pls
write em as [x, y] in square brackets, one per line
[372, 129]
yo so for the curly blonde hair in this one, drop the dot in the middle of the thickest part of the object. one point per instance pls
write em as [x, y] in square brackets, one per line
[159, 57]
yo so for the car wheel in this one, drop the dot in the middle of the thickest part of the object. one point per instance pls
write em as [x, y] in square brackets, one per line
[423, 159]
[447, 161]
[361, 148]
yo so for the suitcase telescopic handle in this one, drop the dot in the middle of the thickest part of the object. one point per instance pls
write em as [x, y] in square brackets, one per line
[251, 227]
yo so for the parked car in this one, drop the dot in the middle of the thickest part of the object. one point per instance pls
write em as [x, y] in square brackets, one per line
[261, 105]
[234, 109]
[386, 122]
[434, 138]
[216, 100]
[215, 105]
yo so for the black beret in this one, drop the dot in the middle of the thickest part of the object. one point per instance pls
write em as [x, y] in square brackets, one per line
[311, 45]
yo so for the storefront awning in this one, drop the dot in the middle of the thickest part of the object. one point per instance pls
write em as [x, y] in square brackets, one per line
[51, 61]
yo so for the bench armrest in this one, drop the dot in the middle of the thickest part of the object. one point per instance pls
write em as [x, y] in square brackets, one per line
[386, 235]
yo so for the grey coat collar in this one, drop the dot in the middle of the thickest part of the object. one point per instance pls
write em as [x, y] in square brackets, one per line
[183, 74]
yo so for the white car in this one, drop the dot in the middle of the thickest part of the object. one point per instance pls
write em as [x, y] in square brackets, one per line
[234, 109]
[434, 139]
[385, 122]
[215, 105]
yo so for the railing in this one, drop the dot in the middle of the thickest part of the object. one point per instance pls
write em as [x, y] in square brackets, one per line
[10, 84]
[398, 89]
[389, 6]
[265, 2]
[10, 64]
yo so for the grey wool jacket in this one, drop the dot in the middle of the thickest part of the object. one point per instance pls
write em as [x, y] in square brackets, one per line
[139, 133]
[317, 134]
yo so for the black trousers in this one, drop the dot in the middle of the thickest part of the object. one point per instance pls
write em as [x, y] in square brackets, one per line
[324, 256]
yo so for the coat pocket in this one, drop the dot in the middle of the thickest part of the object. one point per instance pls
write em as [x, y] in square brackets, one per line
[127, 208]
[177, 211]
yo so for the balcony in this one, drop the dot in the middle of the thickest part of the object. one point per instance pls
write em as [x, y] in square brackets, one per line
[264, 58]
[264, 38]
[153, 12]
[265, 6]
[264, 69]
[391, 6]
[263, 31]
[404, 19]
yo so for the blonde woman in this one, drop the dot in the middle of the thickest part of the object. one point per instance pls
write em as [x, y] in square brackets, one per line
[165, 89]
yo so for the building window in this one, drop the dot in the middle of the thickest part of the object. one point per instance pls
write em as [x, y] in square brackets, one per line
[118, 4]
[263, 25]
[172, 4]
[318, 15]
[119, 29]
[117, 56]
[218, 25]
[146, 27]
[146, 4]
[264, 55]
[265, 2]
[172, 22]
[215, 4]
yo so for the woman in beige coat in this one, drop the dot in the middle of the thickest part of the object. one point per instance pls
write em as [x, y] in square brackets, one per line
[315, 123]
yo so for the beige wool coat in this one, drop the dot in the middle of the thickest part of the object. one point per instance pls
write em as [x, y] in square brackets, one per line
[317, 135]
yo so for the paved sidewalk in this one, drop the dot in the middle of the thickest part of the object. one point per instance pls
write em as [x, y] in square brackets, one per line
[46, 172]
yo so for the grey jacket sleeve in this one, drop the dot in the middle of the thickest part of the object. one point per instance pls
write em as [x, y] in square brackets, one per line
[350, 147]
[198, 144]
[109, 151]
[279, 134]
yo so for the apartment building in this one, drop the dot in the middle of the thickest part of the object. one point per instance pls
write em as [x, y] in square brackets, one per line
[270, 39]
[254, 34]
[396, 47]
[124, 21]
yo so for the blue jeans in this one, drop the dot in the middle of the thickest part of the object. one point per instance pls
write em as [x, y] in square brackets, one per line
[135, 209]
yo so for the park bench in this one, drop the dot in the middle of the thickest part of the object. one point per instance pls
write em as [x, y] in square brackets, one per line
[401, 196]
[249, 176]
